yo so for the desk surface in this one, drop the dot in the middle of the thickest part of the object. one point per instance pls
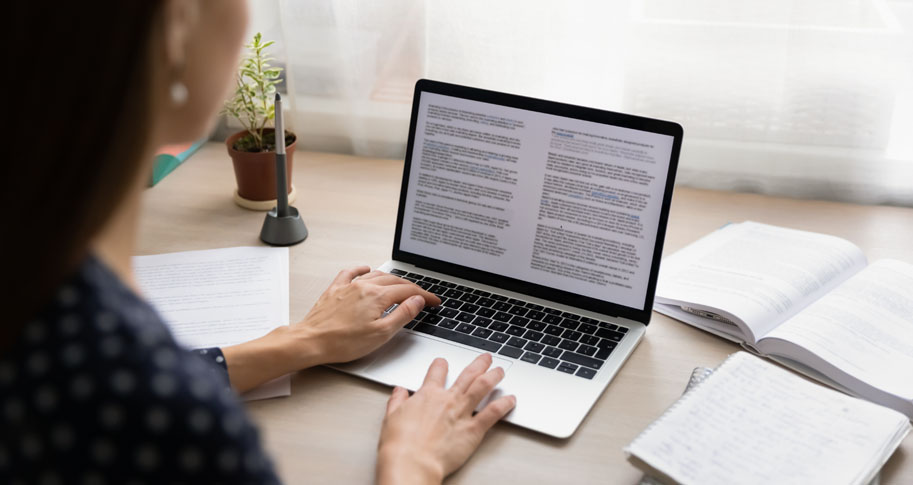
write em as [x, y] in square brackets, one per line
[326, 432]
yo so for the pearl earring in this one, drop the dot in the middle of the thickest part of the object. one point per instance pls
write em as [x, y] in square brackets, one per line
[179, 93]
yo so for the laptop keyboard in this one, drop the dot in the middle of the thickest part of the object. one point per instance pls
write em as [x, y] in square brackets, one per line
[514, 328]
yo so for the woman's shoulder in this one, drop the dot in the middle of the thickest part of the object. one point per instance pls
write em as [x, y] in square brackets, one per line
[96, 384]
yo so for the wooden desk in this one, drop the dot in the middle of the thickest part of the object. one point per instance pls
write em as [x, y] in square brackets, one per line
[326, 432]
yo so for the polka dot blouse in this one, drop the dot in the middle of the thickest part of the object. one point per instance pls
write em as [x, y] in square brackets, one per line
[96, 391]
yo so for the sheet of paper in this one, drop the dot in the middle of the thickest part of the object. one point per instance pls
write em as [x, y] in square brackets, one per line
[220, 297]
[760, 274]
[752, 422]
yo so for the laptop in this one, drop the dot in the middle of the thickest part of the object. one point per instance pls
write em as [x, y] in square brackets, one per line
[540, 225]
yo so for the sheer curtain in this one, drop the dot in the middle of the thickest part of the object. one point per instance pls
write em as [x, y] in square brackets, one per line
[805, 98]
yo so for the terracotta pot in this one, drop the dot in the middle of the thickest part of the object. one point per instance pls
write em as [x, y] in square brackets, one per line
[256, 172]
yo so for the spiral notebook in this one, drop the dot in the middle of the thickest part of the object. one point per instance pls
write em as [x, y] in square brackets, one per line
[752, 422]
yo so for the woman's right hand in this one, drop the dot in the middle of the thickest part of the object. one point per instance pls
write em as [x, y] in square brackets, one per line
[431, 434]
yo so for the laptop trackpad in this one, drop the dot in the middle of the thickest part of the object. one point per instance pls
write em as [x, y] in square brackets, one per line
[407, 357]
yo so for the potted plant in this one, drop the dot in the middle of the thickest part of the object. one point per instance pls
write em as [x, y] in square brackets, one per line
[252, 150]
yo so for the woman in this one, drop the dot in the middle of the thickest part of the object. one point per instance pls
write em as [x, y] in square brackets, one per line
[93, 388]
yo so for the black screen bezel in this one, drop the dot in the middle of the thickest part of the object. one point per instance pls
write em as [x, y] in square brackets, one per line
[560, 109]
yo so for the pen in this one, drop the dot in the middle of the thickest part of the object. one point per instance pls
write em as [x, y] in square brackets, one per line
[281, 177]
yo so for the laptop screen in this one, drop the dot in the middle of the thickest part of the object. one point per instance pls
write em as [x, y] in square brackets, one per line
[547, 199]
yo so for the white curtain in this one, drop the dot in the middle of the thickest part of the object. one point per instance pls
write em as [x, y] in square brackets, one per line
[804, 98]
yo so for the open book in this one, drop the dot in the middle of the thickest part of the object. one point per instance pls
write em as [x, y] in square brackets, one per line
[809, 301]
[751, 422]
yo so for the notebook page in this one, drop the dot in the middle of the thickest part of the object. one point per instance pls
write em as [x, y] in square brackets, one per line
[759, 273]
[752, 422]
[220, 297]
[864, 327]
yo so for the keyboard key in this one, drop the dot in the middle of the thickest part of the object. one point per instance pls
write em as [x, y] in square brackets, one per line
[424, 284]
[414, 275]
[587, 328]
[481, 293]
[469, 307]
[589, 340]
[622, 329]
[531, 357]
[608, 326]
[533, 335]
[448, 323]
[498, 297]
[511, 351]
[533, 306]
[534, 347]
[552, 319]
[569, 324]
[610, 334]
[571, 335]
[499, 337]
[552, 311]
[482, 333]
[514, 301]
[551, 340]
[603, 354]
[587, 350]
[431, 280]
[589, 320]
[485, 302]
[570, 315]
[412, 324]
[449, 312]
[554, 330]
[515, 330]
[453, 293]
[463, 288]
[432, 319]
[567, 368]
[521, 321]
[482, 322]
[535, 315]
[485, 312]
[534, 325]
[568, 345]
[452, 303]
[437, 290]
[517, 310]
[552, 352]
[466, 317]
[549, 362]
[462, 338]
[498, 326]
[398, 272]
[516, 342]
[501, 306]
[469, 298]
[448, 284]
[582, 360]
[586, 373]
[502, 317]
[607, 344]
[466, 328]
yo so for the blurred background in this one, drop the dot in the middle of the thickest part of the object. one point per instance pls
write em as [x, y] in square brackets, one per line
[800, 98]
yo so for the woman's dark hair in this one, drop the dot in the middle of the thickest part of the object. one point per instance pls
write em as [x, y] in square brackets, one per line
[77, 120]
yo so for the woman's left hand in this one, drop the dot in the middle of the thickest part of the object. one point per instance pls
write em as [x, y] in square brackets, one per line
[346, 323]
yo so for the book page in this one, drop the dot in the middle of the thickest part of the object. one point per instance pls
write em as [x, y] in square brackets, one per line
[220, 297]
[757, 273]
[752, 422]
[864, 329]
